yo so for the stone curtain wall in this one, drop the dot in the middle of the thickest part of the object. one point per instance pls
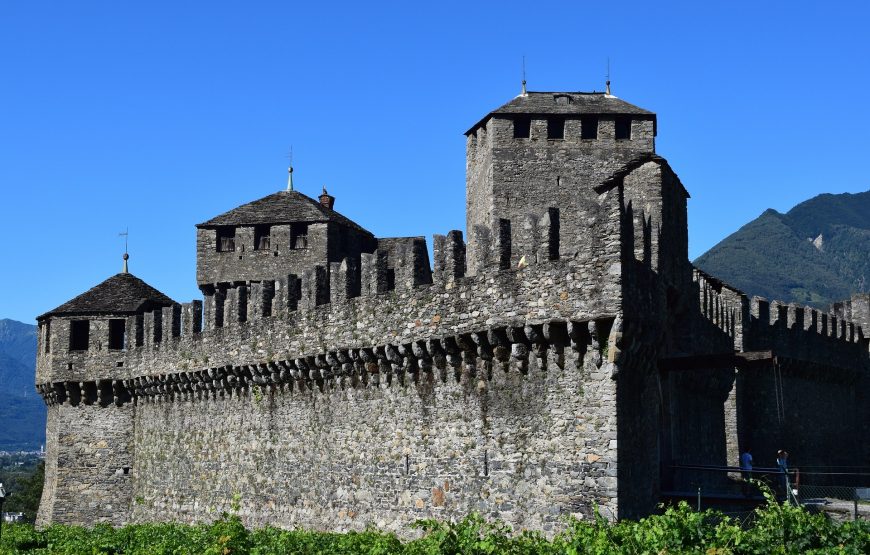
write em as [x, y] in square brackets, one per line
[528, 449]
[340, 380]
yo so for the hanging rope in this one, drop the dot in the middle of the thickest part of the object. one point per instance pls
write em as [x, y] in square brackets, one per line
[777, 387]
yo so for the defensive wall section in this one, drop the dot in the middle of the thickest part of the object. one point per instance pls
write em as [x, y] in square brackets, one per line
[490, 393]
[796, 379]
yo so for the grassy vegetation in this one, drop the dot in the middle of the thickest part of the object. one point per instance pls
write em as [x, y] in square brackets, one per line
[776, 528]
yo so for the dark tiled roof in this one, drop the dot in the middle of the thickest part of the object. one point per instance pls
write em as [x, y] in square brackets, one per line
[617, 176]
[579, 103]
[120, 294]
[283, 207]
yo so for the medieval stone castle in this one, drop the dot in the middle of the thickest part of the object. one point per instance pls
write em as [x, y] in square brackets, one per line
[566, 356]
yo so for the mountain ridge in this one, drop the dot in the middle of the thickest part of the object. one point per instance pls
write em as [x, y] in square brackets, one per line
[22, 410]
[817, 253]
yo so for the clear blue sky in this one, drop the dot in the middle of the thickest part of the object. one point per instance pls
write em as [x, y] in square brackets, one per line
[158, 115]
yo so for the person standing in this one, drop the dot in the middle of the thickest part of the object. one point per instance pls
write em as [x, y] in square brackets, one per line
[746, 469]
[782, 466]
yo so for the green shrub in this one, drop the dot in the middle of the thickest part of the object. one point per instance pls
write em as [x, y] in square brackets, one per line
[775, 528]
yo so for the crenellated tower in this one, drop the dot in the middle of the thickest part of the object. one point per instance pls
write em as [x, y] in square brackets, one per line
[546, 149]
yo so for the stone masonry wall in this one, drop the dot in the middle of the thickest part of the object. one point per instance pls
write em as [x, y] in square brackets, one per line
[526, 448]
[89, 455]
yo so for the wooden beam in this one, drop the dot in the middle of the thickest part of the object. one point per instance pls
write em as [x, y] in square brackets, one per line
[715, 361]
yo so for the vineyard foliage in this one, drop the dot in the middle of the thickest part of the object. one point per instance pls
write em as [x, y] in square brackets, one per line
[775, 528]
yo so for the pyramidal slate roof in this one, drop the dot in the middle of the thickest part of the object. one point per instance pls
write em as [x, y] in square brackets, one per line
[566, 103]
[283, 207]
[122, 293]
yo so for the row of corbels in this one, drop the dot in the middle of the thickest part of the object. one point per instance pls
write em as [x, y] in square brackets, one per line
[100, 392]
[503, 346]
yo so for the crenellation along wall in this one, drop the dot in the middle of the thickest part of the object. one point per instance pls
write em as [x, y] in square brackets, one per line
[319, 310]
[806, 334]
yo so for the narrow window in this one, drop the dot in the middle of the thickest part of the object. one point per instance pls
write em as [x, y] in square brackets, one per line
[298, 236]
[589, 127]
[262, 237]
[556, 128]
[623, 128]
[117, 329]
[47, 340]
[226, 239]
[79, 335]
[522, 127]
[343, 240]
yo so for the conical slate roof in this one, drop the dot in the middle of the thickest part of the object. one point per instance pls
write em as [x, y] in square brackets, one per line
[283, 207]
[122, 293]
[566, 103]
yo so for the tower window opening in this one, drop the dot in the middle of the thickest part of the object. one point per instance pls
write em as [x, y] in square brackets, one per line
[226, 239]
[117, 329]
[298, 236]
[343, 240]
[623, 129]
[47, 338]
[556, 128]
[79, 335]
[589, 127]
[522, 127]
[262, 239]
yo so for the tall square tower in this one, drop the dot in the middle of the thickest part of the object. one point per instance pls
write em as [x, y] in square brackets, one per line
[550, 149]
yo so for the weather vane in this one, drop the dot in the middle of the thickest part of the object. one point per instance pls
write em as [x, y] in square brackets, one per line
[524, 93]
[125, 234]
[290, 170]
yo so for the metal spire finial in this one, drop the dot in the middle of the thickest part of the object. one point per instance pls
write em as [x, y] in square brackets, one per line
[290, 170]
[125, 234]
[607, 82]
[524, 93]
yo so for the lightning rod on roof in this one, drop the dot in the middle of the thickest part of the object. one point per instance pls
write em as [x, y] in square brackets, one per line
[524, 93]
[290, 170]
[607, 82]
[125, 235]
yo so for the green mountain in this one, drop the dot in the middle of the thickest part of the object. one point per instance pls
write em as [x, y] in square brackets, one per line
[815, 254]
[22, 412]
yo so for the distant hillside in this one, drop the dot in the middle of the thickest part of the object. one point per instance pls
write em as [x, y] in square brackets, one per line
[22, 412]
[816, 253]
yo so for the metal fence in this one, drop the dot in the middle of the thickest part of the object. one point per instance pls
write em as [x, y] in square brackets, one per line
[734, 491]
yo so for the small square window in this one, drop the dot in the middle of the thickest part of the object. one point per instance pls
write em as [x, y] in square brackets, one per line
[117, 329]
[79, 335]
[262, 239]
[589, 127]
[556, 128]
[226, 239]
[623, 128]
[522, 127]
[47, 338]
[298, 236]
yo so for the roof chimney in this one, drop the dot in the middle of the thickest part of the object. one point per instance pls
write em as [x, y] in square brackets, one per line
[327, 200]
